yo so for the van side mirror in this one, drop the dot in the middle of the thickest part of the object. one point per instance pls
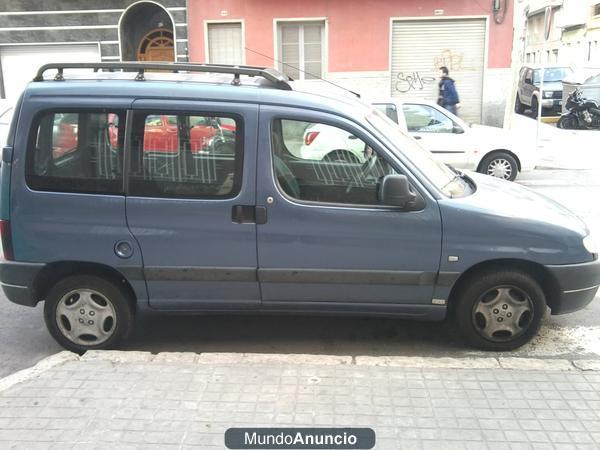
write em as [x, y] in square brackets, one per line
[396, 191]
[457, 129]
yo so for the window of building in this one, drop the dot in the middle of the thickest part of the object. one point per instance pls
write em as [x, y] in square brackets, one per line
[300, 47]
[77, 152]
[597, 10]
[225, 43]
[185, 155]
[323, 163]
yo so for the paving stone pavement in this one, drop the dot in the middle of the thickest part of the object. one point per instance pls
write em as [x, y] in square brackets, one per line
[183, 402]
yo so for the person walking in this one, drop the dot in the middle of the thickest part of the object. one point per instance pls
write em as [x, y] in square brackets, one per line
[447, 97]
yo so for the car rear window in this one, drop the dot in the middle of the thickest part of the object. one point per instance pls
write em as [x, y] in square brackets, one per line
[77, 151]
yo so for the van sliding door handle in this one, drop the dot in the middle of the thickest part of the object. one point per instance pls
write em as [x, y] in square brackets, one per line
[249, 214]
[261, 215]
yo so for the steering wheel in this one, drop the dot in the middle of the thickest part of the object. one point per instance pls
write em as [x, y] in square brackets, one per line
[368, 166]
[365, 170]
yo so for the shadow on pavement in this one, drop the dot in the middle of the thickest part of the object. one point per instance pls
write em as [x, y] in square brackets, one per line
[292, 334]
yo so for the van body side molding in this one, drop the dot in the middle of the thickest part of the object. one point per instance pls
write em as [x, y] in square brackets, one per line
[309, 276]
[332, 276]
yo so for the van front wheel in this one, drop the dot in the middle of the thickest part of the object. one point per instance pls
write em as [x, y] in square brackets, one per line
[500, 310]
[86, 312]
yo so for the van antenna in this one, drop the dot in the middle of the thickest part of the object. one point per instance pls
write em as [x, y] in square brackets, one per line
[303, 71]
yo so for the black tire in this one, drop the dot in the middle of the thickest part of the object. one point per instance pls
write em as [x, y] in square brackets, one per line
[491, 283]
[519, 107]
[66, 293]
[534, 107]
[494, 163]
[568, 123]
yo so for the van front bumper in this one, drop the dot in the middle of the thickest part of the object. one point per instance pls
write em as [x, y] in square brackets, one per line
[578, 285]
[17, 281]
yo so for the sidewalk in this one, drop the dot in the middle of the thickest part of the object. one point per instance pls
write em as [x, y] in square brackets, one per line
[135, 399]
[556, 148]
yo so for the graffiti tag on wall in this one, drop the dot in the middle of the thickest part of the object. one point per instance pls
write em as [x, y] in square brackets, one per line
[452, 60]
[412, 81]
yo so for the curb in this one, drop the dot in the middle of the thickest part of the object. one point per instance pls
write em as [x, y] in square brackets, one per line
[58, 359]
[406, 362]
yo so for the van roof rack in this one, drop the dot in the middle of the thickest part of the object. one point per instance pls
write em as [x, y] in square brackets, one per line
[279, 80]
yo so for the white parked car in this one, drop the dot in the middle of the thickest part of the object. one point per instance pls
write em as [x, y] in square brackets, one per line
[324, 142]
[462, 145]
[453, 141]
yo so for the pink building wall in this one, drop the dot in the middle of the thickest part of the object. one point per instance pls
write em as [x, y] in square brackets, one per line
[358, 29]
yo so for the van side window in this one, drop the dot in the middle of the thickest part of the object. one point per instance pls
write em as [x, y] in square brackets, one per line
[185, 155]
[77, 152]
[323, 163]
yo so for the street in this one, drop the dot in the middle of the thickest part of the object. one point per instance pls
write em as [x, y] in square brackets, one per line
[24, 339]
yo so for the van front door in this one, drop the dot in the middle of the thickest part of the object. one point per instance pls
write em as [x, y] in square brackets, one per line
[190, 203]
[328, 243]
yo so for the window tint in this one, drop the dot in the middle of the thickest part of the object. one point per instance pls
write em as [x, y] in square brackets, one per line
[77, 152]
[425, 119]
[388, 109]
[322, 163]
[185, 155]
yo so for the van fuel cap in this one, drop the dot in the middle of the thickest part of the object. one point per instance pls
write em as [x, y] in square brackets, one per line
[123, 249]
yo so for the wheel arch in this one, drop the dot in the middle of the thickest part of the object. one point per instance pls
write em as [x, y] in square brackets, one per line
[538, 272]
[56, 271]
[495, 151]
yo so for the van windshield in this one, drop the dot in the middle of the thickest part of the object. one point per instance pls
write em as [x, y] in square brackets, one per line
[445, 179]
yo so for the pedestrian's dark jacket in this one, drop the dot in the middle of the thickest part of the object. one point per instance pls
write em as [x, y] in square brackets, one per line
[448, 94]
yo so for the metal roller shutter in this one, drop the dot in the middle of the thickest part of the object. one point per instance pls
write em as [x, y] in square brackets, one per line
[420, 47]
[20, 62]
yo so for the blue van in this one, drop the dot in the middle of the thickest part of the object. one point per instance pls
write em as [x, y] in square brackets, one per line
[125, 191]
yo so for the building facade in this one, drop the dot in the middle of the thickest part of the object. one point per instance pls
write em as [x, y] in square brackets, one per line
[574, 37]
[379, 48]
[34, 32]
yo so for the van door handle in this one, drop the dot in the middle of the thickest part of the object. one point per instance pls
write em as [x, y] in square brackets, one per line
[249, 214]
[417, 137]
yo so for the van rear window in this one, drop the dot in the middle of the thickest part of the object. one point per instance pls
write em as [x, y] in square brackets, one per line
[77, 152]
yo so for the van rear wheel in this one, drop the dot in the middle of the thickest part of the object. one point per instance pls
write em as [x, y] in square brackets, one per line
[500, 310]
[86, 312]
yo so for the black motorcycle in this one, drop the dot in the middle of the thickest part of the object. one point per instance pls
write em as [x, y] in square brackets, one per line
[582, 113]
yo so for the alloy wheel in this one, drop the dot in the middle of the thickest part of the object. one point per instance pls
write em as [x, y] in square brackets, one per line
[86, 317]
[500, 168]
[503, 313]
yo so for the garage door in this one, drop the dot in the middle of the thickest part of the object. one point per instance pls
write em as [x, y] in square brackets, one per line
[420, 47]
[20, 62]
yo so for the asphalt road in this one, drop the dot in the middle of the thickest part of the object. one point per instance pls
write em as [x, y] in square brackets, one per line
[24, 339]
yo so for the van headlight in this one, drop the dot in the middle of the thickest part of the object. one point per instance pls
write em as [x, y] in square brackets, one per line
[548, 94]
[591, 245]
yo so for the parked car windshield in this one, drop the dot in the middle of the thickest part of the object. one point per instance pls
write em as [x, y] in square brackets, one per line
[552, 74]
[438, 173]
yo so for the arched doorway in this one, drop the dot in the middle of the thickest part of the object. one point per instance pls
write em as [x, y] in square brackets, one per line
[147, 33]
[157, 45]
